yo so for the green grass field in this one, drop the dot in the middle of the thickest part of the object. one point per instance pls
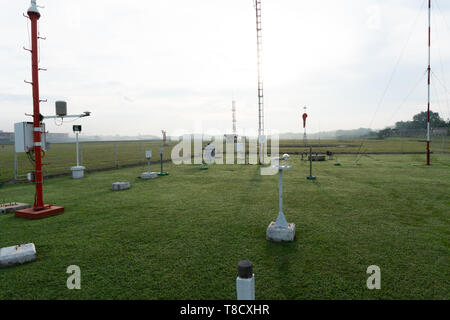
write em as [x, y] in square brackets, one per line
[94, 155]
[99, 155]
[181, 236]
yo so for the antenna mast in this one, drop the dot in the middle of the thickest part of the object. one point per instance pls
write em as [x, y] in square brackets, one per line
[429, 82]
[260, 82]
[39, 209]
[34, 15]
[233, 109]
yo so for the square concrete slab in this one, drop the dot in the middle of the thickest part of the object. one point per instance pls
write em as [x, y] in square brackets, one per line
[149, 175]
[280, 234]
[31, 213]
[12, 207]
[116, 186]
[11, 256]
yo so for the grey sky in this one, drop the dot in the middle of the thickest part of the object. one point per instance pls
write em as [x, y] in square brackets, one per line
[143, 66]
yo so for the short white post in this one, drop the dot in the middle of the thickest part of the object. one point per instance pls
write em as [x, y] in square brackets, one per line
[281, 219]
[281, 230]
[148, 155]
[245, 282]
[77, 171]
[78, 161]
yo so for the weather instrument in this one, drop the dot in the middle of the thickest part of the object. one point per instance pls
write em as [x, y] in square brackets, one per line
[36, 132]
[77, 171]
[281, 230]
[149, 174]
[161, 152]
[304, 116]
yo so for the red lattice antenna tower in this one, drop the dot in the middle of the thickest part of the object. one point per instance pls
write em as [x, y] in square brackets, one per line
[39, 209]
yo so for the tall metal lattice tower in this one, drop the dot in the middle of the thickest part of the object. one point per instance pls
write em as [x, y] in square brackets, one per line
[259, 55]
[429, 82]
[233, 109]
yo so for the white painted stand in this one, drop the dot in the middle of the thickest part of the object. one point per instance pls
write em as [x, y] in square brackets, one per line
[77, 172]
[11, 256]
[281, 230]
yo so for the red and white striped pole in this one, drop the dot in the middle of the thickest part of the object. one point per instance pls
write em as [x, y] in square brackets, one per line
[429, 81]
[39, 210]
[34, 16]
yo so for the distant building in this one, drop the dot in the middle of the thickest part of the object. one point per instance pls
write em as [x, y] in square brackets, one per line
[6, 137]
[58, 137]
[231, 137]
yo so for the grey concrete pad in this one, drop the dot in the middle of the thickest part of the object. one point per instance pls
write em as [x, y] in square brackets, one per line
[278, 234]
[11, 207]
[318, 157]
[11, 256]
[149, 175]
[116, 186]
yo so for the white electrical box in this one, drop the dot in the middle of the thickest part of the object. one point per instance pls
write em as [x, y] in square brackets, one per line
[23, 137]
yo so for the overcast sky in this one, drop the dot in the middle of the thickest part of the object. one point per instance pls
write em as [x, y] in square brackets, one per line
[142, 66]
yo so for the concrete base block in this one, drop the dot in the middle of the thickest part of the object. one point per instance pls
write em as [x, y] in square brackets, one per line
[318, 157]
[149, 175]
[280, 234]
[117, 186]
[77, 172]
[11, 256]
[12, 207]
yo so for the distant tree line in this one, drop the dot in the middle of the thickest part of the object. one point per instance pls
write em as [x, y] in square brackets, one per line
[418, 123]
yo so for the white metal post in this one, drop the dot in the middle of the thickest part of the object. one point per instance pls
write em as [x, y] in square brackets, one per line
[281, 219]
[15, 162]
[280, 190]
[78, 161]
[245, 282]
[115, 154]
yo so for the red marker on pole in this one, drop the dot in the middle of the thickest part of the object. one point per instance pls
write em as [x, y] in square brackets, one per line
[304, 116]
[304, 119]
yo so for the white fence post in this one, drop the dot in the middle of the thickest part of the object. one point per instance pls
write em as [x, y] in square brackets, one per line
[245, 282]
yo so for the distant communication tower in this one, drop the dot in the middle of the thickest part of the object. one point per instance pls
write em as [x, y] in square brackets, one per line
[261, 136]
[429, 82]
[233, 109]
[259, 56]
[164, 134]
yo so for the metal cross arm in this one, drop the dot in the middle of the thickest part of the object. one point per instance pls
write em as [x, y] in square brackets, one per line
[85, 114]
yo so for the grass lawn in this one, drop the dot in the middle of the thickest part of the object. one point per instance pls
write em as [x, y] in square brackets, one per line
[181, 236]
[97, 155]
